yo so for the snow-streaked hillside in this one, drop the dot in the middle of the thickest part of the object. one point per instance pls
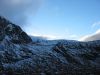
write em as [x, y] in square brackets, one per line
[22, 55]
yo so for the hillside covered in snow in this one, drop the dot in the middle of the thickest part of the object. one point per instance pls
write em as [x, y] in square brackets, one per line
[21, 54]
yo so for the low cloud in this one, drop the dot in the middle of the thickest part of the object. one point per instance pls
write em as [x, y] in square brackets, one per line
[49, 37]
[91, 37]
[18, 11]
[55, 37]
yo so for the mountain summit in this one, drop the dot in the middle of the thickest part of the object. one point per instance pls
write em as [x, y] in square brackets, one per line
[12, 32]
[20, 55]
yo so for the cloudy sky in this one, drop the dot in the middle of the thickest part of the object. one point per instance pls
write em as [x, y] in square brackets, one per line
[55, 19]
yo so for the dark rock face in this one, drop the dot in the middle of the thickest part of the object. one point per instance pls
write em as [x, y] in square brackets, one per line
[13, 32]
[18, 56]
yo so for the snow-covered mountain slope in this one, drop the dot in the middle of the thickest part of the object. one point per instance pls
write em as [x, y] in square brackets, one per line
[12, 32]
[21, 55]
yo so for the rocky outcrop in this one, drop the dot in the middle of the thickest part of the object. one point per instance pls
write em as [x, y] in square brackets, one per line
[12, 32]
